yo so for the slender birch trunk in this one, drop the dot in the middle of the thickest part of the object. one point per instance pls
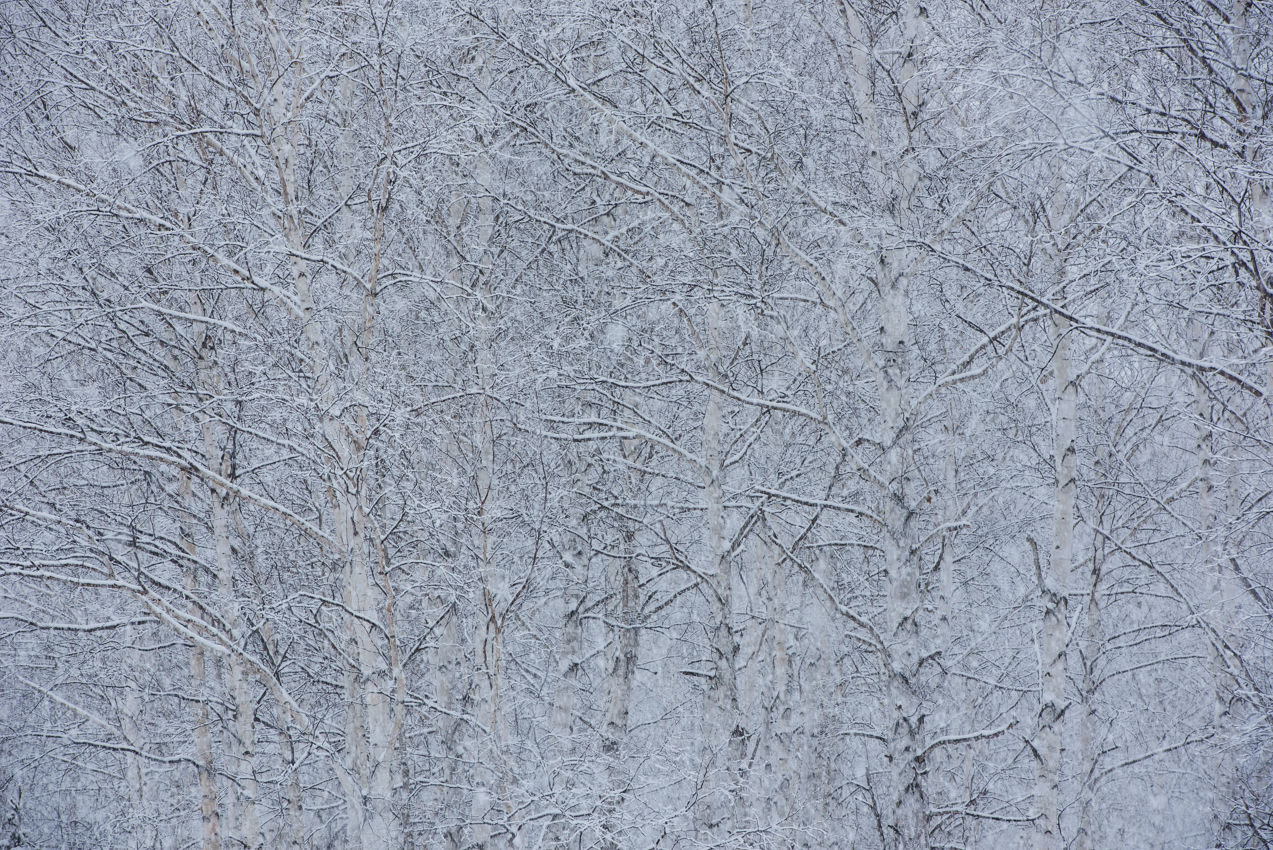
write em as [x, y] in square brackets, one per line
[723, 736]
[780, 784]
[908, 821]
[956, 707]
[448, 681]
[373, 688]
[908, 818]
[455, 671]
[1049, 740]
[292, 832]
[130, 725]
[209, 811]
[487, 640]
[575, 547]
[1220, 600]
[817, 719]
[247, 824]
[1090, 654]
[1088, 726]
[1226, 597]
[486, 672]
[1203, 452]
[896, 176]
[623, 586]
[621, 662]
[576, 553]
[950, 516]
[757, 802]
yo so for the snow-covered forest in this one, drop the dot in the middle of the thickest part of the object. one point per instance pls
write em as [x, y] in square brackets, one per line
[636, 425]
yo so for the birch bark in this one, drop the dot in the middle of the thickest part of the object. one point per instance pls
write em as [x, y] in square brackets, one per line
[575, 547]
[1090, 654]
[723, 737]
[209, 811]
[488, 640]
[907, 820]
[1054, 598]
[1219, 604]
[623, 586]
[130, 725]
[623, 639]
[246, 823]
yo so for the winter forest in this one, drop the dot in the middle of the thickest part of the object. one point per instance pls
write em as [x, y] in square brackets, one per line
[636, 425]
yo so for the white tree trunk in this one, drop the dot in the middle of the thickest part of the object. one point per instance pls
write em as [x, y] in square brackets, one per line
[576, 553]
[135, 771]
[448, 679]
[575, 547]
[247, 824]
[1053, 592]
[907, 817]
[896, 173]
[1090, 655]
[209, 811]
[487, 640]
[722, 735]
[486, 674]
[622, 640]
[621, 663]
[780, 783]
[1220, 601]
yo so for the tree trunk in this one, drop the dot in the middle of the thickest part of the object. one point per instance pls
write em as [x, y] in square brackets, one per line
[1053, 591]
[907, 817]
[621, 662]
[723, 737]
[1090, 655]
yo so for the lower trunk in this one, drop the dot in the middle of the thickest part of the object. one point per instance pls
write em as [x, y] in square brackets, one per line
[907, 819]
[908, 825]
[761, 802]
[292, 832]
[129, 725]
[723, 737]
[1207, 556]
[294, 824]
[624, 588]
[1220, 609]
[1087, 721]
[447, 684]
[1090, 746]
[576, 549]
[781, 785]
[369, 721]
[209, 813]
[620, 671]
[485, 814]
[1055, 583]
[355, 751]
[248, 822]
